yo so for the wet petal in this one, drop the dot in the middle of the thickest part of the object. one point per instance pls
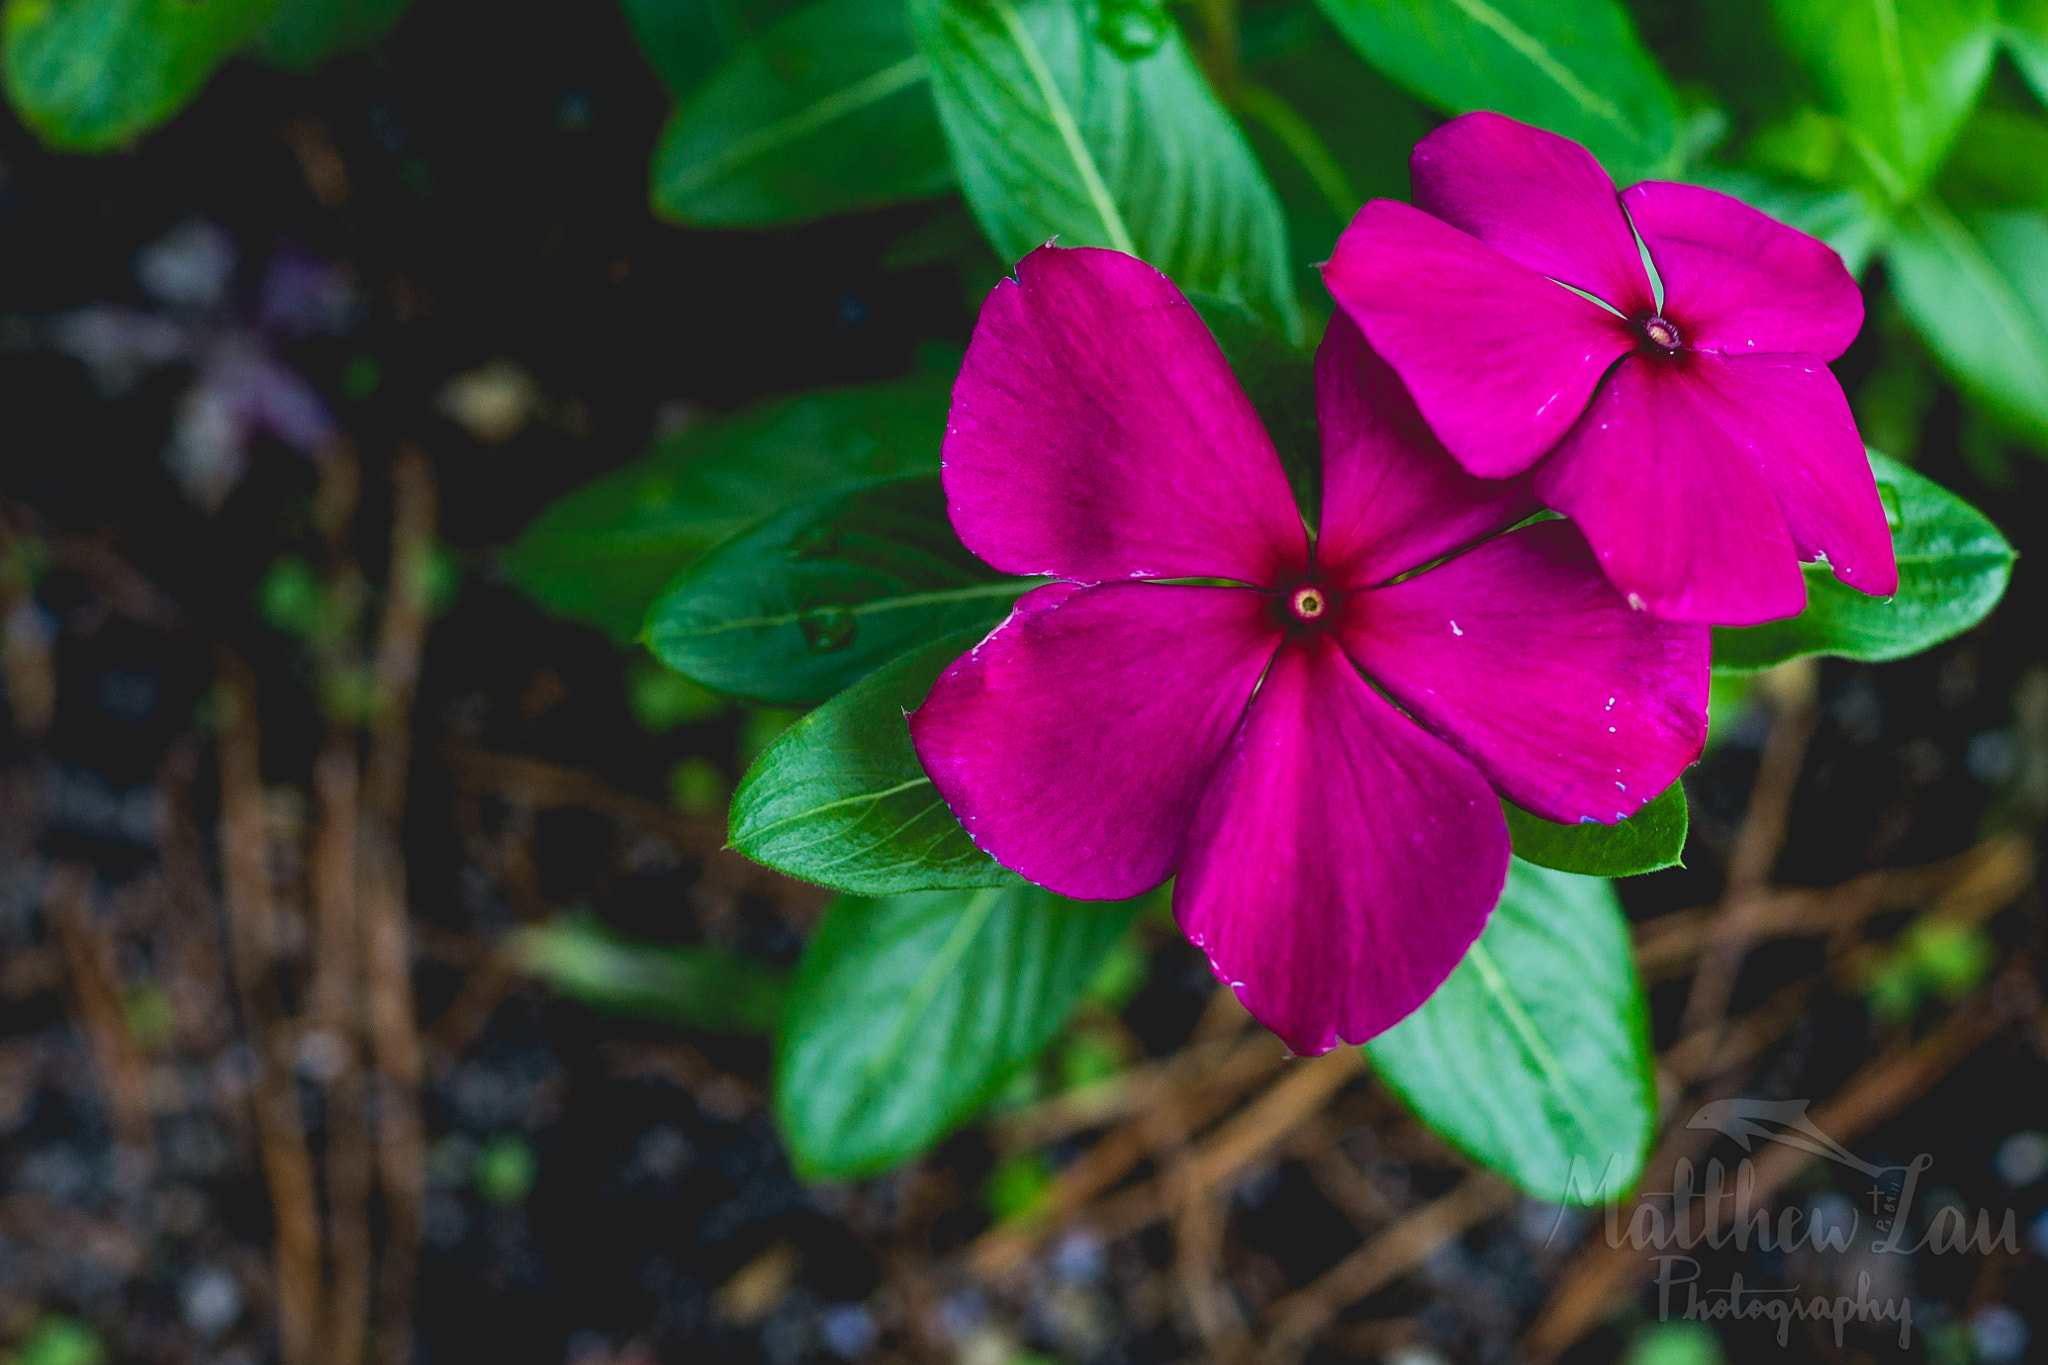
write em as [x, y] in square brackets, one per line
[1536, 198]
[1525, 658]
[1075, 741]
[1788, 412]
[1674, 507]
[1740, 281]
[1499, 359]
[1393, 498]
[1097, 433]
[1343, 859]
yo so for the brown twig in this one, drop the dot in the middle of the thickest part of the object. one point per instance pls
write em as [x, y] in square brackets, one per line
[96, 987]
[393, 1028]
[280, 1127]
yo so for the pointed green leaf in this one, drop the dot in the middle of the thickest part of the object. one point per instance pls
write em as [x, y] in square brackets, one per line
[1055, 135]
[911, 1013]
[1903, 75]
[827, 111]
[816, 596]
[1953, 568]
[92, 75]
[603, 552]
[1652, 838]
[1534, 1058]
[840, 799]
[2026, 38]
[1575, 67]
[692, 987]
[1977, 292]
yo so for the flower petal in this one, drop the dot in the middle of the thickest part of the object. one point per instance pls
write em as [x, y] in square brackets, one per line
[1536, 198]
[1674, 507]
[1740, 281]
[1098, 433]
[1499, 359]
[1523, 657]
[1789, 413]
[1343, 859]
[1393, 498]
[1075, 741]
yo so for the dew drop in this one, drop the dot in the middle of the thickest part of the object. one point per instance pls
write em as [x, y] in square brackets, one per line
[828, 629]
[814, 542]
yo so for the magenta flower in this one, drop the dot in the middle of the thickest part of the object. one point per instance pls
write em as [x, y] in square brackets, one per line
[1699, 441]
[1315, 752]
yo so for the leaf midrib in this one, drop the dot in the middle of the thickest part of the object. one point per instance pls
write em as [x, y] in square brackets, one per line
[872, 607]
[1533, 1044]
[1069, 129]
[1532, 50]
[869, 90]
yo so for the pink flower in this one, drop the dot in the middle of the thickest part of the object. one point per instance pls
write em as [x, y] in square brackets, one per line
[1335, 856]
[1698, 440]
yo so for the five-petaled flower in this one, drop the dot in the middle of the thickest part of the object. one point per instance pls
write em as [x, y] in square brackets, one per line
[1695, 434]
[1311, 738]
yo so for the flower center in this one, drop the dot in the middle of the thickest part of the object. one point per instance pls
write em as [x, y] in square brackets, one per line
[1308, 603]
[1660, 331]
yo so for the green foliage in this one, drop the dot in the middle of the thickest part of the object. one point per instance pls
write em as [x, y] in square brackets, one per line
[304, 33]
[1534, 1058]
[1953, 568]
[1902, 75]
[2026, 39]
[841, 800]
[93, 75]
[602, 553]
[911, 1013]
[504, 1170]
[662, 698]
[1018, 1185]
[1934, 957]
[1055, 134]
[59, 1341]
[1978, 293]
[813, 598]
[703, 988]
[826, 111]
[1572, 66]
[1652, 838]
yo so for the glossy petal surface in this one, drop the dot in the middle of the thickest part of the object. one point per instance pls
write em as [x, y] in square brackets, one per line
[1097, 433]
[1788, 412]
[1075, 742]
[1678, 514]
[1343, 859]
[1500, 360]
[1740, 281]
[1536, 198]
[1523, 656]
[1393, 498]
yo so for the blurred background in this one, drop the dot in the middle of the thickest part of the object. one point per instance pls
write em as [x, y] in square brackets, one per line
[292, 360]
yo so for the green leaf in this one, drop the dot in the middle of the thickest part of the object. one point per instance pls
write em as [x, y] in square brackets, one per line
[2026, 38]
[701, 988]
[1953, 567]
[1575, 67]
[1056, 135]
[1903, 75]
[93, 75]
[910, 1013]
[2000, 161]
[1652, 838]
[1534, 1058]
[1280, 380]
[840, 799]
[816, 596]
[826, 111]
[603, 553]
[304, 33]
[1977, 293]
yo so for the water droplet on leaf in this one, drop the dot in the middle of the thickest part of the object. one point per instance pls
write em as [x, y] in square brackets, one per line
[1132, 28]
[828, 629]
[814, 542]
